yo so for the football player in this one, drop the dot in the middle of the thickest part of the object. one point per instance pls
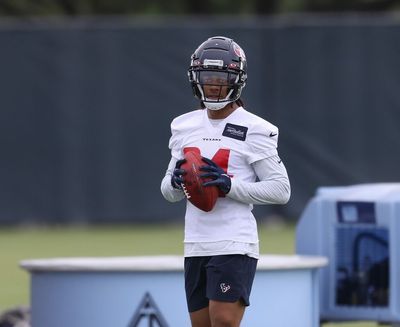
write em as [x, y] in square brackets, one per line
[239, 151]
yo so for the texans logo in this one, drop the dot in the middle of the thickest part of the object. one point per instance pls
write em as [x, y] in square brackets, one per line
[224, 288]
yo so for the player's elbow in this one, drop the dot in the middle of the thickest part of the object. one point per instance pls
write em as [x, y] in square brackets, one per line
[285, 198]
[285, 192]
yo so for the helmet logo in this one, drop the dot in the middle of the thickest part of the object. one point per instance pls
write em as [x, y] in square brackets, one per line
[239, 51]
[213, 62]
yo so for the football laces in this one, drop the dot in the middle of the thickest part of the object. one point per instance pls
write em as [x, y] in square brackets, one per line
[185, 191]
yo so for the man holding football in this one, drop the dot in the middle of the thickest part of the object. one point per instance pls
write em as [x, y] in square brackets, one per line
[239, 150]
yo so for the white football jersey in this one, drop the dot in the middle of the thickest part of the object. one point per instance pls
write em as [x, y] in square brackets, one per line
[234, 143]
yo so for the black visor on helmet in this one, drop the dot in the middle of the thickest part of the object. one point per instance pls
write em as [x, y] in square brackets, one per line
[215, 85]
[217, 78]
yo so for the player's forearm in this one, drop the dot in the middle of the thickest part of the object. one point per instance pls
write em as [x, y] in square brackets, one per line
[262, 192]
[170, 193]
[273, 187]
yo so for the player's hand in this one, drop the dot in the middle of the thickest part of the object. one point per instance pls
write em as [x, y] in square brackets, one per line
[219, 177]
[177, 175]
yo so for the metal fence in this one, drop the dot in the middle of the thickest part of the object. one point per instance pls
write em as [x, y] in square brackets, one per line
[86, 104]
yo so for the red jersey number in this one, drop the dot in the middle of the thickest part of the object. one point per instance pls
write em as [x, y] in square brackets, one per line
[221, 158]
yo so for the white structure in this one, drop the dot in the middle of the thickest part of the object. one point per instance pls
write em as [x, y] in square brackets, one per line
[149, 291]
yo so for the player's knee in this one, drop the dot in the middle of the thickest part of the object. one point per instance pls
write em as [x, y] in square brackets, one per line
[223, 319]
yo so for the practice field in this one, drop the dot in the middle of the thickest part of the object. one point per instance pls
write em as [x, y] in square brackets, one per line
[17, 244]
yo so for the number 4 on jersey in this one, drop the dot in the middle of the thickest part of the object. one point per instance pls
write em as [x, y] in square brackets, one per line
[221, 157]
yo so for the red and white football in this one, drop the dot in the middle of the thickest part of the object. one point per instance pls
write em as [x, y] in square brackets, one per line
[203, 198]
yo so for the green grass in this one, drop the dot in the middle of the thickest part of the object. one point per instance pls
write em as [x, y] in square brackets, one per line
[17, 244]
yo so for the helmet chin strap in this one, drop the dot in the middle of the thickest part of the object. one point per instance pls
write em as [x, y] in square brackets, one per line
[216, 105]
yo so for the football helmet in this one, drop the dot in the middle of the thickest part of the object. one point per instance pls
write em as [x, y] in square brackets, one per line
[218, 72]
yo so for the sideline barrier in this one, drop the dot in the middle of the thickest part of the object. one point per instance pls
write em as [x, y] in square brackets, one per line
[149, 291]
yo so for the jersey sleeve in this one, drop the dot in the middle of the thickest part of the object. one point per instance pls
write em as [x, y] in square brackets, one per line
[273, 186]
[175, 140]
[170, 193]
[262, 142]
[175, 144]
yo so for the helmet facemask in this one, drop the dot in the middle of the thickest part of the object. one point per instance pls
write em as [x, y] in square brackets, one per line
[216, 88]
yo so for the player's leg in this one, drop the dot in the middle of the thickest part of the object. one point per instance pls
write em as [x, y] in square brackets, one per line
[200, 318]
[226, 314]
[195, 287]
[229, 282]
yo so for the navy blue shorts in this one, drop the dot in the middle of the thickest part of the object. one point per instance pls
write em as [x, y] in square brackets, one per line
[225, 278]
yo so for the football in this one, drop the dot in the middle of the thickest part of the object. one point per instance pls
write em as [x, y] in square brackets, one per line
[203, 198]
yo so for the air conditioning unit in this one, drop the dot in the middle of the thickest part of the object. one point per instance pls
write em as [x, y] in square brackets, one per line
[358, 229]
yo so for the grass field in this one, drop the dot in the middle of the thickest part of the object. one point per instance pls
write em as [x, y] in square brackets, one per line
[17, 244]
